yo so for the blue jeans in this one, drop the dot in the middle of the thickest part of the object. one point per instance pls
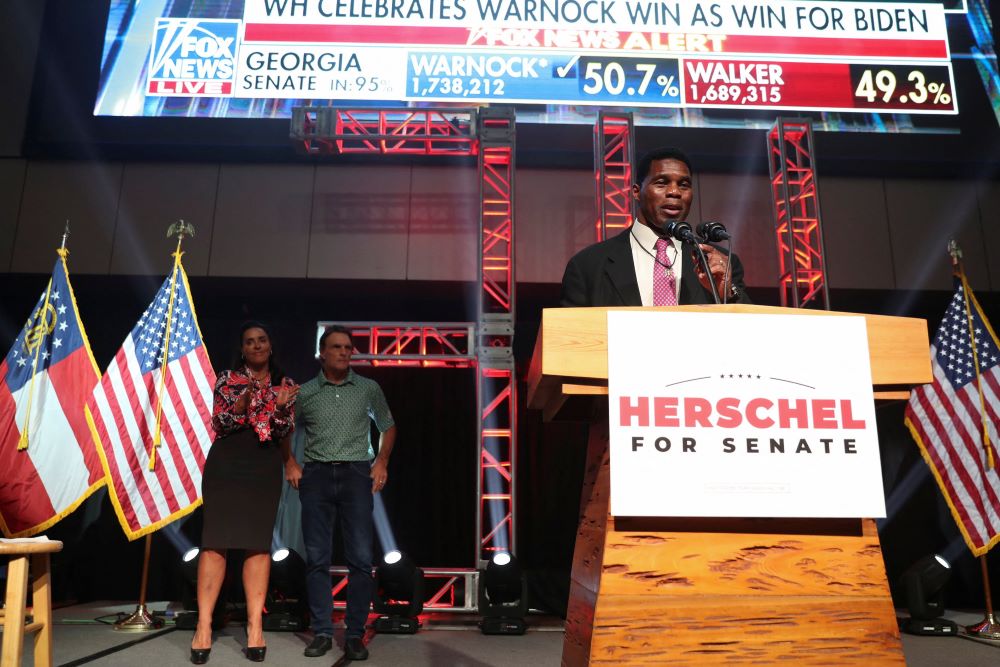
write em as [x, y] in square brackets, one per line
[329, 490]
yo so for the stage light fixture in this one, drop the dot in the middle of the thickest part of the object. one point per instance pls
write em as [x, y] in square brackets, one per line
[503, 596]
[285, 606]
[399, 594]
[190, 554]
[923, 589]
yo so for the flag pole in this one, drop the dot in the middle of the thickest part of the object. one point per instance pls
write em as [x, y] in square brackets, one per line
[181, 229]
[141, 620]
[988, 628]
[34, 338]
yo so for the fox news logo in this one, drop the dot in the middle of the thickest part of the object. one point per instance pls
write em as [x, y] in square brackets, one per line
[193, 57]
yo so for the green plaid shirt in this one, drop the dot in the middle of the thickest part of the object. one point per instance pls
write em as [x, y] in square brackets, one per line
[336, 418]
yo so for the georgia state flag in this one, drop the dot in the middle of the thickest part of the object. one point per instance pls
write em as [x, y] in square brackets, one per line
[48, 459]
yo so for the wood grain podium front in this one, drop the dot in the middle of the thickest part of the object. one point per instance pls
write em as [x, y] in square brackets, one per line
[695, 591]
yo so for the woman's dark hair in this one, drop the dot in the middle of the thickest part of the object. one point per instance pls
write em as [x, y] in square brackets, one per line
[277, 373]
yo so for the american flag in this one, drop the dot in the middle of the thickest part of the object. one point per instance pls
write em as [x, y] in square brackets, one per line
[48, 462]
[947, 418]
[129, 405]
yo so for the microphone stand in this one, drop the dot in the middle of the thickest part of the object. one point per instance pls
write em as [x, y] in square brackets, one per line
[704, 264]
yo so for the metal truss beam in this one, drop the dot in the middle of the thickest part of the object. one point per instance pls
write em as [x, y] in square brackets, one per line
[798, 226]
[444, 589]
[410, 344]
[614, 155]
[488, 133]
[430, 131]
[496, 387]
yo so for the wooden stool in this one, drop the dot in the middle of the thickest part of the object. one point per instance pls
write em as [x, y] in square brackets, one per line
[17, 598]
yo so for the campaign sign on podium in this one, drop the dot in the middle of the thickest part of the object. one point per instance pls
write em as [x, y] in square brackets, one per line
[741, 415]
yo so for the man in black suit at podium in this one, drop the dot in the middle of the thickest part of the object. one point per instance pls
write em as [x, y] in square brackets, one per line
[645, 265]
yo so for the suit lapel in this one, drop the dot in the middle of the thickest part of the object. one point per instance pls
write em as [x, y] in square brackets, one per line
[691, 291]
[621, 270]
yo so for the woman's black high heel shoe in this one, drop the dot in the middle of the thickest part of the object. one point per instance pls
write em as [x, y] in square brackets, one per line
[199, 656]
[256, 653]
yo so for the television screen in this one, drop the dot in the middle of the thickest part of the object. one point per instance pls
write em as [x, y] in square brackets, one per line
[869, 66]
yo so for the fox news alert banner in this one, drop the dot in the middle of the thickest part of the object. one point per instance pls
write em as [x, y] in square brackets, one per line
[757, 425]
[823, 56]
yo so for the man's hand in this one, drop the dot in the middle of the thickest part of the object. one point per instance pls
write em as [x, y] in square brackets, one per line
[293, 473]
[718, 264]
[379, 475]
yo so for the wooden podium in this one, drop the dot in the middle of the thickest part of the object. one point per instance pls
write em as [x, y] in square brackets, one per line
[695, 591]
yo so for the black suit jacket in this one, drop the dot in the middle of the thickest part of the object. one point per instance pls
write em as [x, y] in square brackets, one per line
[604, 275]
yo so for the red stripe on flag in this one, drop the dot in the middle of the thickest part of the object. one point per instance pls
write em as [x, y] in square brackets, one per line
[203, 369]
[116, 478]
[24, 503]
[151, 387]
[73, 380]
[950, 474]
[128, 448]
[991, 393]
[945, 480]
[967, 441]
[140, 396]
[974, 445]
[180, 444]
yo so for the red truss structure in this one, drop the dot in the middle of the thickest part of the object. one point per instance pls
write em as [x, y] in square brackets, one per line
[798, 228]
[454, 589]
[488, 133]
[431, 345]
[496, 387]
[325, 130]
[614, 155]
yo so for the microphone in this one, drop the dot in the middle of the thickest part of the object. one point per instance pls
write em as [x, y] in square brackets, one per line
[713, 232]
[681, 231]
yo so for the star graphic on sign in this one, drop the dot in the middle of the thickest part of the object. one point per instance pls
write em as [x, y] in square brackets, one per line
[45, 354]
[57, 342]
[62, 309]
[22, 361]
[63, 326]
[55, 296]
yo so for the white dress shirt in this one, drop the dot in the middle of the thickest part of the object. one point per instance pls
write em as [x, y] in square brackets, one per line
[643, 242]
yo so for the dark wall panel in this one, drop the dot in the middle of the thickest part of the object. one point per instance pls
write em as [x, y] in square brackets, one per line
[20, 26]
[85, 193]
[555, 219]
[989, 221]
[443, 240]
[923, 216]
[856, 233]
[743, 204]
[11, 186]
[400, 222]
[360, 222]
[153, 197]
[262, 221]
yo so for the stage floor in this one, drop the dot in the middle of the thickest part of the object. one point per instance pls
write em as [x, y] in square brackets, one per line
[446, 639]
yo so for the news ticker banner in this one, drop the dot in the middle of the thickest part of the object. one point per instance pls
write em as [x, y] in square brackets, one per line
[748, 429]
[844, 56]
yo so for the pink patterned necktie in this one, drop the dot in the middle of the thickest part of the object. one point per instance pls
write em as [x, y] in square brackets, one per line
[664, 282]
